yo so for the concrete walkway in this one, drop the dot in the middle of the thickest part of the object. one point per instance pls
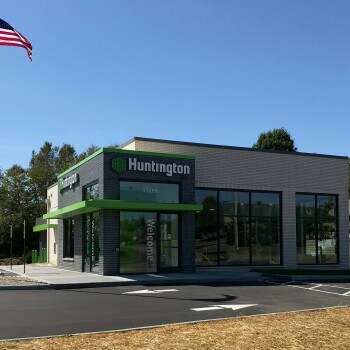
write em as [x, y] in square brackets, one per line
[58, 278]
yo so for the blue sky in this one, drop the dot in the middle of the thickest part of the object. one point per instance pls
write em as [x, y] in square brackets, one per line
[206, 71]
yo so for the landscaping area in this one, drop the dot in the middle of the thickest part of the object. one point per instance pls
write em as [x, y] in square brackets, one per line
[323, 329]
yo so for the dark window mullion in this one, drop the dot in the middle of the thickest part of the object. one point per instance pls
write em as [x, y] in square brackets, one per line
[218, 227]
[250, 230]
[316, 228]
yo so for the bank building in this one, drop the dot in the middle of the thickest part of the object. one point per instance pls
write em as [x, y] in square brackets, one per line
[159, 206]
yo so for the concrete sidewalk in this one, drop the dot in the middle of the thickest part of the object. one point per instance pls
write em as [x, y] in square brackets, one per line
[56, 278]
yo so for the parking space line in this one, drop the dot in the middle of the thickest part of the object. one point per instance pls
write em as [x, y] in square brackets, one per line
[317, 285]
[296, 284]
[347, 294]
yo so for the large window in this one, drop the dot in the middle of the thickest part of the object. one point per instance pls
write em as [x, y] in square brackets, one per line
[91, 192]
[149, 192]
[317, 234]
[238, 228]
[68, 238]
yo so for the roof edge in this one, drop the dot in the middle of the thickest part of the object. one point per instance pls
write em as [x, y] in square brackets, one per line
[248, 149]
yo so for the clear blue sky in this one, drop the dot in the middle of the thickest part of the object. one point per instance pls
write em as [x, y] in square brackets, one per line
[205, 71]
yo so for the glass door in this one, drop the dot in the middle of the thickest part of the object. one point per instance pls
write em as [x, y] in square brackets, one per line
[169, 242]
[149, 242]
[138, 242]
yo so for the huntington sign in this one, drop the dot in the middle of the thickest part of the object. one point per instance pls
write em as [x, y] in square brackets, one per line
[133, 164]
[68, 181]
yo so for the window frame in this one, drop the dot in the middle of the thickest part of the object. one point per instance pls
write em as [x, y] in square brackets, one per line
[68, 238]
[316, 221]
[154, 182]
[250, 216]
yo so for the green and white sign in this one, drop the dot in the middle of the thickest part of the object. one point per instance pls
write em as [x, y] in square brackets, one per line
[133, 164]
[68, 181]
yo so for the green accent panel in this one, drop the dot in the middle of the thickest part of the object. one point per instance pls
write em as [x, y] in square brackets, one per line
[70, 211]
[124, 151]
[92, 205]
[43, 227]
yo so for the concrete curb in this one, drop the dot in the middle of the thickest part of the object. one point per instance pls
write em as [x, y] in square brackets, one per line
[205, 281]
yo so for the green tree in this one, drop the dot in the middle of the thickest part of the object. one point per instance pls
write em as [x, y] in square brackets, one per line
[16, 205]
[66, 158]
[90, 150]
[276, 139]
[42, 170]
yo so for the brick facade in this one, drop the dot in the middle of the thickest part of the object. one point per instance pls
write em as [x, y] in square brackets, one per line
[99, 169]
[218, 167]
[238, 168]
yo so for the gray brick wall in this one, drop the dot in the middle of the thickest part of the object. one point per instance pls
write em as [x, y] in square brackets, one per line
[99, 169]
[237, 168]
[89, 172]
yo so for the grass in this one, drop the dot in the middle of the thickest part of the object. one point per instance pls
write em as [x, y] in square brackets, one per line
[303, 272]
[324, 329]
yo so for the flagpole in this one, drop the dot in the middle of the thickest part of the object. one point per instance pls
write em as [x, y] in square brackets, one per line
[24, 246]
[11, 246]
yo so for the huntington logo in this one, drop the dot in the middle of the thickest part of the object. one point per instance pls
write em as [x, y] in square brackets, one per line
[118, 165]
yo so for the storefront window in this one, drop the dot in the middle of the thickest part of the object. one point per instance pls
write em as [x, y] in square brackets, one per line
[68, 238]
[149, 192]
[206, 228]
[265, 221]
[238, 228]
[234, 237]
[316, 221]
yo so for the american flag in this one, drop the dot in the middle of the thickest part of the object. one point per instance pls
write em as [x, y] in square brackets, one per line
[10, 37]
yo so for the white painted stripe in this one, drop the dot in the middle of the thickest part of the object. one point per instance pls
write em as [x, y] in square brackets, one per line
[320, 291]
[209, 308]
[317, 285]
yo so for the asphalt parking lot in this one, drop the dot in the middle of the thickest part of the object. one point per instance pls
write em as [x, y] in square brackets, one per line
[36, 313]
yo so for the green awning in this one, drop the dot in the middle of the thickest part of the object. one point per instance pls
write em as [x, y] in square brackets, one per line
[85, 207]
[43, 227]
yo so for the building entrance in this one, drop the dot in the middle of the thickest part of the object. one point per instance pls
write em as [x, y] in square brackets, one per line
[148, 242]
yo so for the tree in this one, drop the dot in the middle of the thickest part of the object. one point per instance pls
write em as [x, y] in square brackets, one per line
[66, 158]
[42, 170]
[91, 149]
[277, 139]
[16, 205]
